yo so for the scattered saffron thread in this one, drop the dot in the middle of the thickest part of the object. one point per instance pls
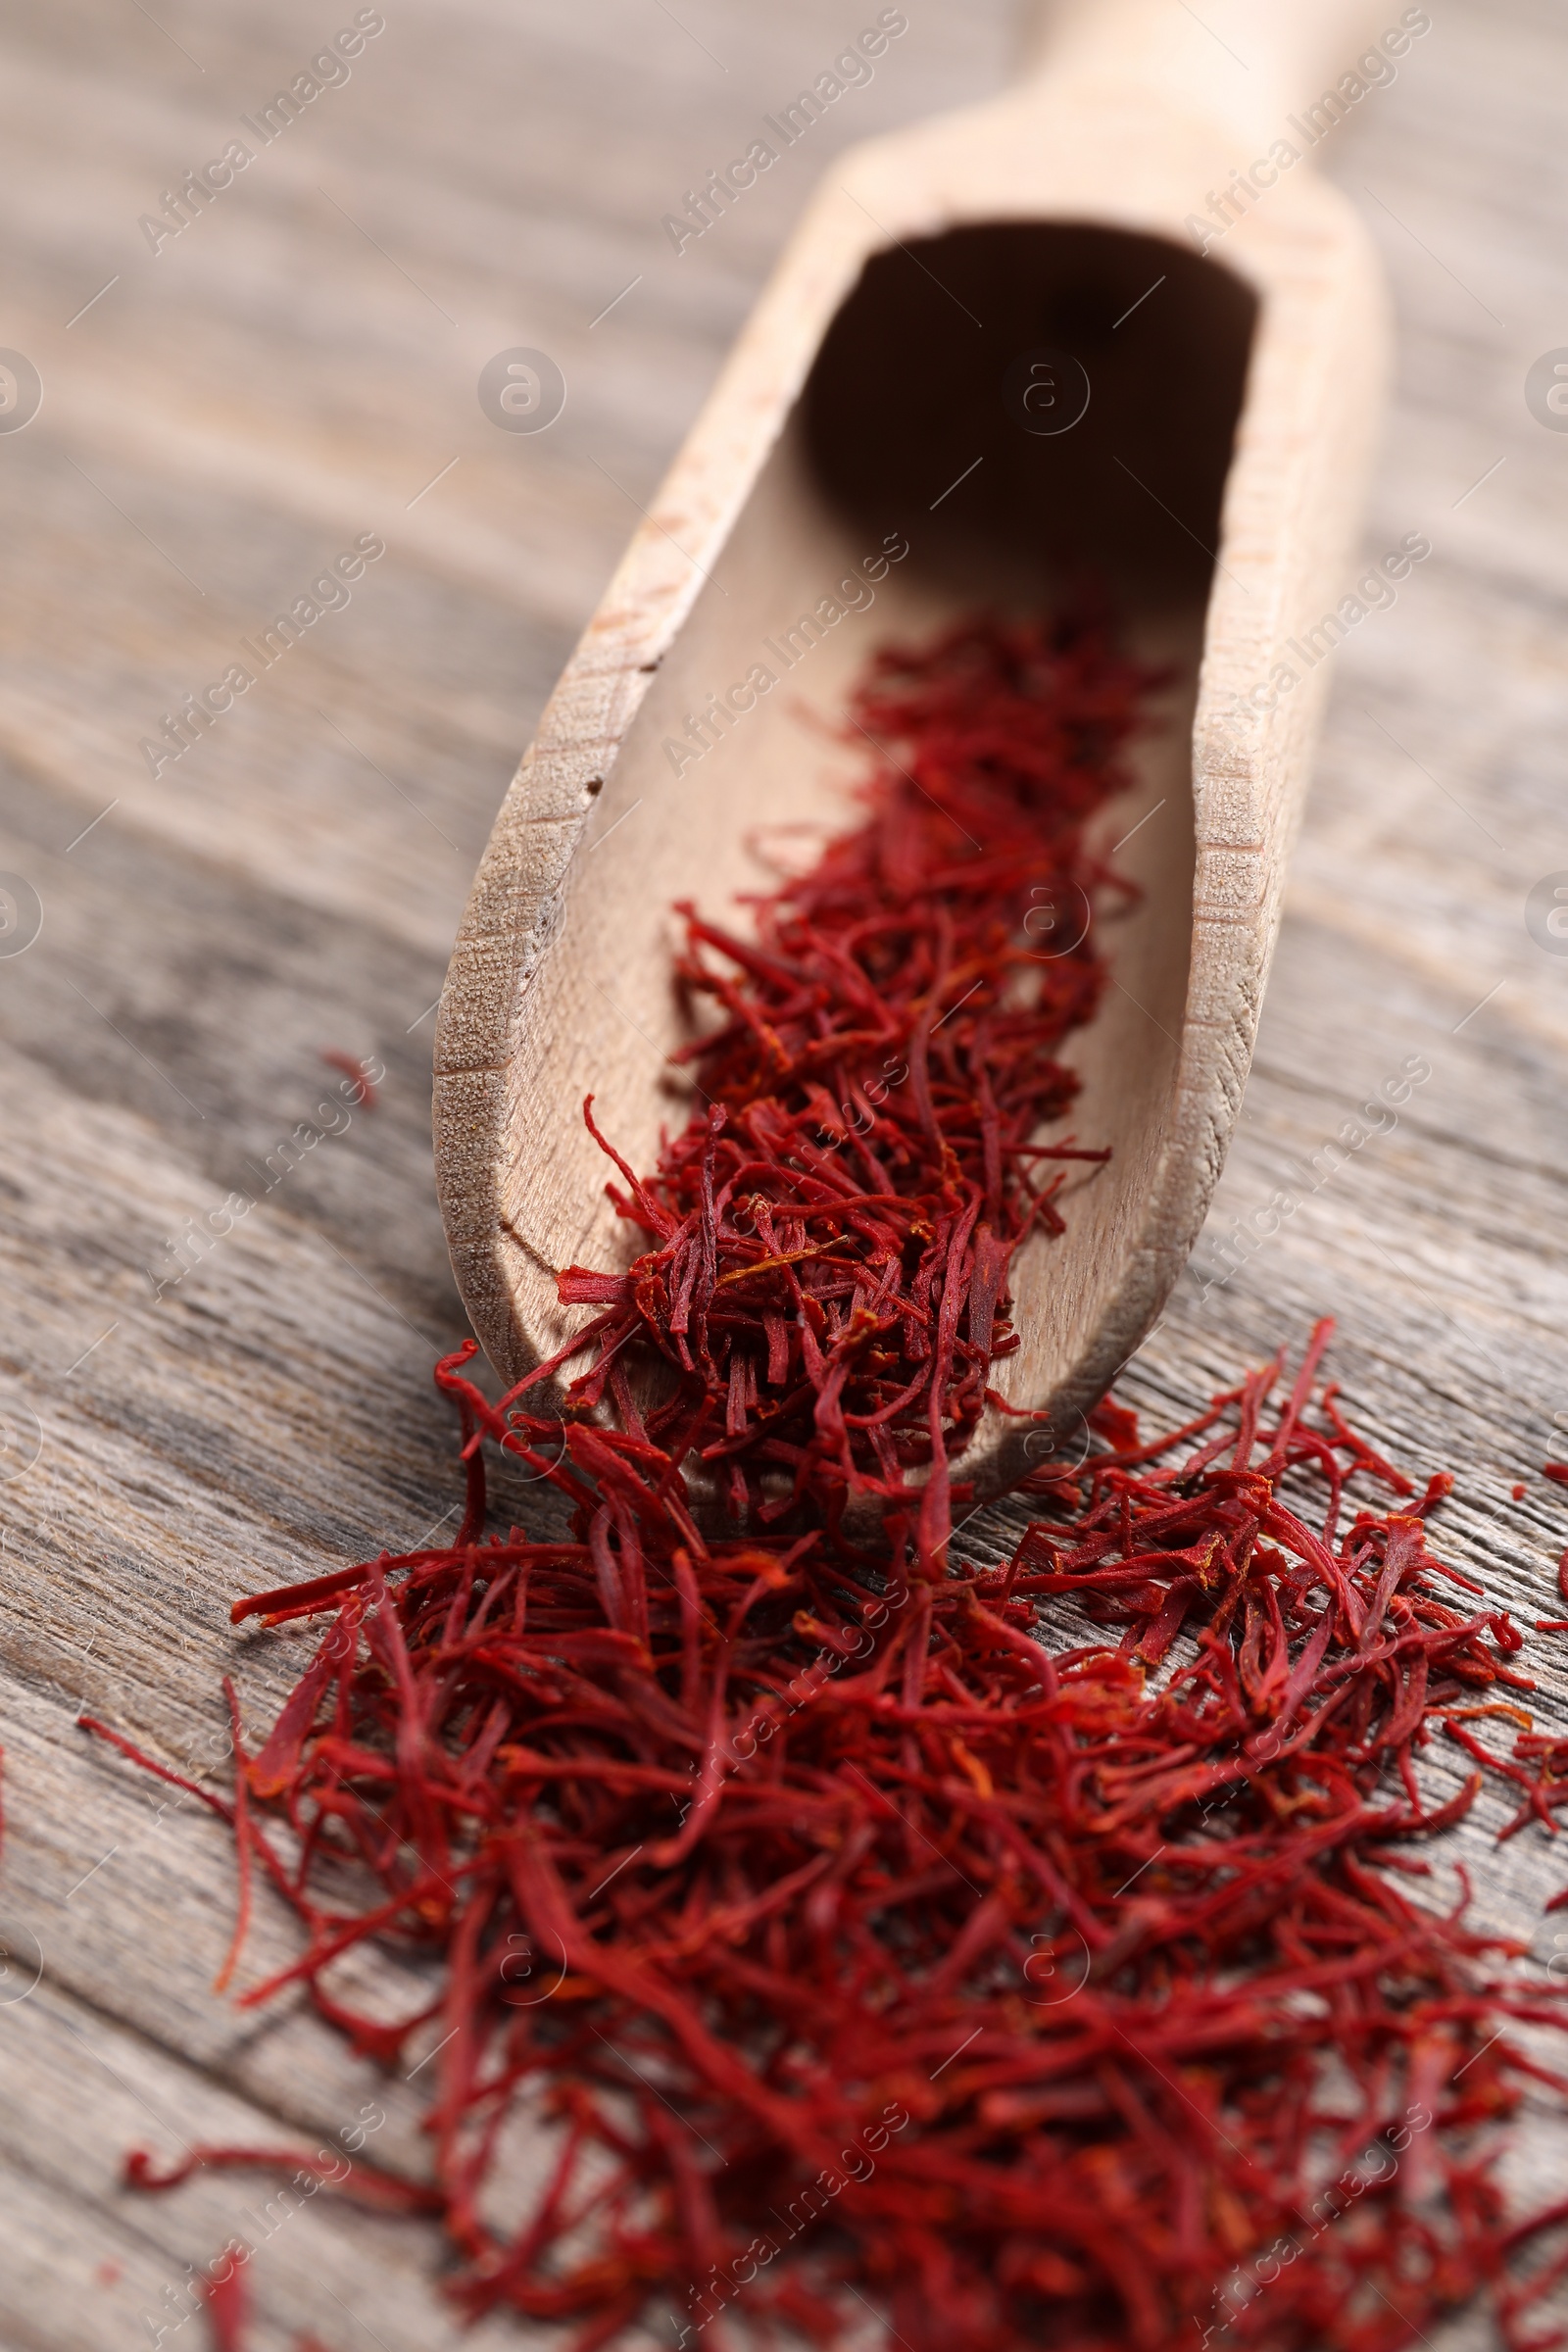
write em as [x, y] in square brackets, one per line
[1019, 1949]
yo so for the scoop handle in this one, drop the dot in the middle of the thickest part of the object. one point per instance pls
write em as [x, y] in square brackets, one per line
[1246, 63]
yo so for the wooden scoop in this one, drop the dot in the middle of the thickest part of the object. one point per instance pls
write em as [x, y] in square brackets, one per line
[992, 360]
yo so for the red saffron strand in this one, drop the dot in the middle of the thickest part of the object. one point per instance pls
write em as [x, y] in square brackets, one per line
[355, 1071]
[361, 2183]
[227, 2302]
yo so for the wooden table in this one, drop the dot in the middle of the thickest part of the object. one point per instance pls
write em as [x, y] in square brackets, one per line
[223, 417]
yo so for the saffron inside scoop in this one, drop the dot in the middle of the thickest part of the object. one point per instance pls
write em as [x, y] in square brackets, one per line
[876, 1128]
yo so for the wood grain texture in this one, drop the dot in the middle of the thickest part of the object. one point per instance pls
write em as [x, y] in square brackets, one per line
[270, 385]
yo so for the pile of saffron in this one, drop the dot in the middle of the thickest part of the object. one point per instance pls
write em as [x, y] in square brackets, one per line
[833, 1228]
[863, 1945]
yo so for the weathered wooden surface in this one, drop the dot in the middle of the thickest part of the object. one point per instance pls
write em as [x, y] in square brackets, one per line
[217, 426]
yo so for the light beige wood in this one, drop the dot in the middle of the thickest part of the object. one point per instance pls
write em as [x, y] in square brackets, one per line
[560, 981]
